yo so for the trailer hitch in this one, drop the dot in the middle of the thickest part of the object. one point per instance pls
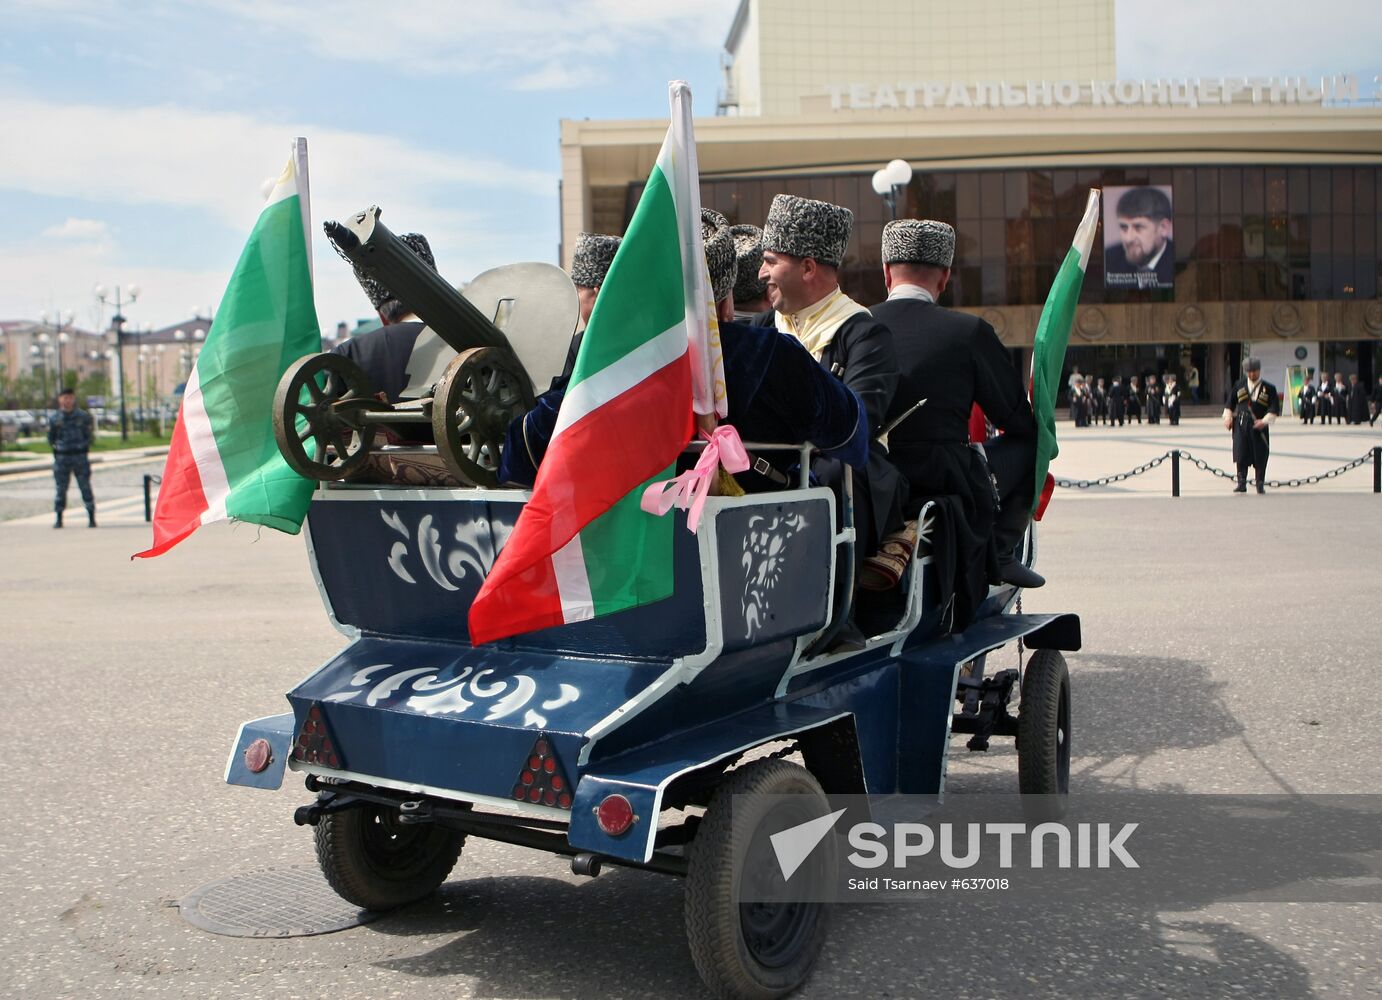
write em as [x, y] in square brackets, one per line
[327, 802]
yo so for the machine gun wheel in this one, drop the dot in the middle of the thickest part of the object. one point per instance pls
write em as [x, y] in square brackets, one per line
[322, 401]
[481, 392]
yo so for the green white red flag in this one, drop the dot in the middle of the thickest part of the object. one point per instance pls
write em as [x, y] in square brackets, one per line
[1048, 347]
[582, 546]
[223, 462]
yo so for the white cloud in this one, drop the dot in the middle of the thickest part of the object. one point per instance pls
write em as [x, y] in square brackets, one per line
[555, 77]
[215, 160]
[196, 162]
[534, 45]
[79, 229]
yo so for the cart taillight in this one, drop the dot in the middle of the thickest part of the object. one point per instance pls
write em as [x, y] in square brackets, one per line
[542, 780]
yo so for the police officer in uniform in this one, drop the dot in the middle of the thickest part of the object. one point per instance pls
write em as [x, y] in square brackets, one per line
[954, 360]
[70, 432]
[1253, 406]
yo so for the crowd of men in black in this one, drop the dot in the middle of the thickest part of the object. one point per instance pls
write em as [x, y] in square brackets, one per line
[1092, 402]
[1339, 401]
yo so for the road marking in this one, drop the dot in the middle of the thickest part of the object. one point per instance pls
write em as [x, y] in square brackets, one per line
[122, 510]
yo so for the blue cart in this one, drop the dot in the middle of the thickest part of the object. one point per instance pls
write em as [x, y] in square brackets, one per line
[622, 740]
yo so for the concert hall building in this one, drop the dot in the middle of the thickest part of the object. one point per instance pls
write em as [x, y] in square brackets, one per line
[1008, 113]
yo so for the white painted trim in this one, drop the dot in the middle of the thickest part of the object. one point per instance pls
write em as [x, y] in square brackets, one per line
[349, 631]
[452, 795]
[661, 787]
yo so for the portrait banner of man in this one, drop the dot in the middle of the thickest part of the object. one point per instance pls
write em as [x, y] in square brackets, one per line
[1139, 249]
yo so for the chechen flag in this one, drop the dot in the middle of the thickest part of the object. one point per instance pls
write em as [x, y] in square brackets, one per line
[1048, 347]
[582, 546]
[223, 461]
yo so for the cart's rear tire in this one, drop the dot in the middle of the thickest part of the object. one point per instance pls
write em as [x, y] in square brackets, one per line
[1043, 735]
[378, 863]
[757, 949]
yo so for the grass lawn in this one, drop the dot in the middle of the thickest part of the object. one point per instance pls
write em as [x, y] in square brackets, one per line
[103, 442]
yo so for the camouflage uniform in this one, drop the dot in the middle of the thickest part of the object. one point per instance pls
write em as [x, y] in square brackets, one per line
[70, 435]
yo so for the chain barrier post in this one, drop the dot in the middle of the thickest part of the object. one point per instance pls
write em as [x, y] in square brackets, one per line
[1175, 472]
[1377, 470]
[148, 503]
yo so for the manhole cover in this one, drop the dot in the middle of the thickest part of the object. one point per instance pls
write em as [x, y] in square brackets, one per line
[271, 903]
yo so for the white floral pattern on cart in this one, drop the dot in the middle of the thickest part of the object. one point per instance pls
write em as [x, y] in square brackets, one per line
[429, 694]
[763, 564]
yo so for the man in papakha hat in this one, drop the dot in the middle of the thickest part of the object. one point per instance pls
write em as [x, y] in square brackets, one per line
[1253, 405]
[750, 291]
[954, 360]
[590, 262]
[803, 244]
[777, 392]
[384, 353]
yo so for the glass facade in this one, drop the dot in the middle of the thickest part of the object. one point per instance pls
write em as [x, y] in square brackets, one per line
[1241, 233]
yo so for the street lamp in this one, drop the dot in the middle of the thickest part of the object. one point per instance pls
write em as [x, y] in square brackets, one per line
[118, 297]
[887, 182]
[57, 319]
[41, 352]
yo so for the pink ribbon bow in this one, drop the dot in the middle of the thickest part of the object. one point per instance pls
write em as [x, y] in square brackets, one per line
[689, 490]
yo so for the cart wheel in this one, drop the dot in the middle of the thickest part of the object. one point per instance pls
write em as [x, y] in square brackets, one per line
[378, 863]
[1043, 735]
[756, 949]
[481, 392]
[322, 400]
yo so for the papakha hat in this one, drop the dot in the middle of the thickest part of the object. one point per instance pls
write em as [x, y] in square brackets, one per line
[590, 263]
[804, 227]
[748, 247]
[720, 258]
[919, 241]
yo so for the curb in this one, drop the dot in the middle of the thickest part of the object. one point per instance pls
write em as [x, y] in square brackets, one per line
[99, 458]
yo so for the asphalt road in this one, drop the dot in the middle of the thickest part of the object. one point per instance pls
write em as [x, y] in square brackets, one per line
[1230, 645]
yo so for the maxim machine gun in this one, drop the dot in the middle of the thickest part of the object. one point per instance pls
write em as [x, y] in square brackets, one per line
[472, 370]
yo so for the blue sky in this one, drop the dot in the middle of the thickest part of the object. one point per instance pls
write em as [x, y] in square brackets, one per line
[137, 135]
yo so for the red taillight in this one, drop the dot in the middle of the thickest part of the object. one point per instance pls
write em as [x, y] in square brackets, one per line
[314, 744]
[541, 782]
[615, 815]
[258, 756]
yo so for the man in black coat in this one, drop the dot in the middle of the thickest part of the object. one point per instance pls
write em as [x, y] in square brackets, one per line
[1153, 400]
[954, 360]
[1117, 402]
[1306, 398]
[803, 244]
[1253, 405]
[1376, 400]
[1134, 397]
[1357, 400]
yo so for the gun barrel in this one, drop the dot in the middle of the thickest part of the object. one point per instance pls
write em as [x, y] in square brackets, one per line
[370, 245]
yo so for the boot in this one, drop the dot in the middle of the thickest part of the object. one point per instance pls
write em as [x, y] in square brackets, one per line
[1008, 529]
[1261, 488]
[91, 516]
[57, 521]
[1242, 486]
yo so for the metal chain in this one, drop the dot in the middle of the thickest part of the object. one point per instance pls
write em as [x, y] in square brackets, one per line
[1199, 463]
[1084, 484]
